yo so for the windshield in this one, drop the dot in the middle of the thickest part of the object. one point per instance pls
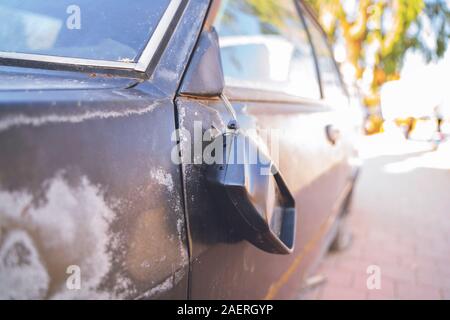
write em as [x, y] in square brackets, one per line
[100, 29]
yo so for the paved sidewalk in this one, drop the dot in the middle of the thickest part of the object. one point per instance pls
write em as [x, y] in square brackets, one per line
[400, 221]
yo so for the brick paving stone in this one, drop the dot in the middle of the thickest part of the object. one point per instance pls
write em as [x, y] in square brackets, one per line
[334, 292]
[400, 222]
[417, 292]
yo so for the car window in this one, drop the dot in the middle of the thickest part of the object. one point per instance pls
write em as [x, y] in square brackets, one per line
[264, 45]
[329, 74]
[101, 29]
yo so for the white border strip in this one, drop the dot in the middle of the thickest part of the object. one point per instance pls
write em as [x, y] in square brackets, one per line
[158, 34]
[67, 60]
[141, 65]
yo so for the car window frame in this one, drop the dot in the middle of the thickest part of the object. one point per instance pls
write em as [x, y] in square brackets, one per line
[140, 67]
[305, 10]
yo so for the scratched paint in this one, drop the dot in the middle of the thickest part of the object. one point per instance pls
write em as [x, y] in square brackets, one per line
[8, 122]
[162, 177]
[21, 268]
[51, 236]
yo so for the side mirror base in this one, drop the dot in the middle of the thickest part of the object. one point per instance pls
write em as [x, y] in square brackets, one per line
[204, 76]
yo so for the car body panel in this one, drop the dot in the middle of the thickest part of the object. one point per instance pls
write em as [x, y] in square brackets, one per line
[317, 172]
[20, 79]
[90, 186]
[86, 180]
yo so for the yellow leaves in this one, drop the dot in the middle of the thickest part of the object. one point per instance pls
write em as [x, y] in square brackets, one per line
[372, 99]
[395, 15]
[376, 35]
[379, 76]
[403, 13]
[357, 29]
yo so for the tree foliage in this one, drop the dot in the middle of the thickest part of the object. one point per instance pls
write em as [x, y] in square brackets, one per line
[378, 33]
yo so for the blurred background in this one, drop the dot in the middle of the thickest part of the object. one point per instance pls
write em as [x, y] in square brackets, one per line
[394, 56]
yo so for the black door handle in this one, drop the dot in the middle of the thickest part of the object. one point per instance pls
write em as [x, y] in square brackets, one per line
[257, 202]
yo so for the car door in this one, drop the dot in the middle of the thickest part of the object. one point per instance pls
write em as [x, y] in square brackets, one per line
[91, 205]
[346, 124]
[273, 84]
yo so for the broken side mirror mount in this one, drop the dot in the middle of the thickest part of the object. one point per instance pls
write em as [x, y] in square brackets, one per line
[204, 76]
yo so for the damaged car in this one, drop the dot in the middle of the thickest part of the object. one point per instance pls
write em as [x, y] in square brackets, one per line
[169, 149]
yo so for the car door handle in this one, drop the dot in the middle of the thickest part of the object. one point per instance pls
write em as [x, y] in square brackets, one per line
[333, 134]
[251, 191]
[257, 202]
